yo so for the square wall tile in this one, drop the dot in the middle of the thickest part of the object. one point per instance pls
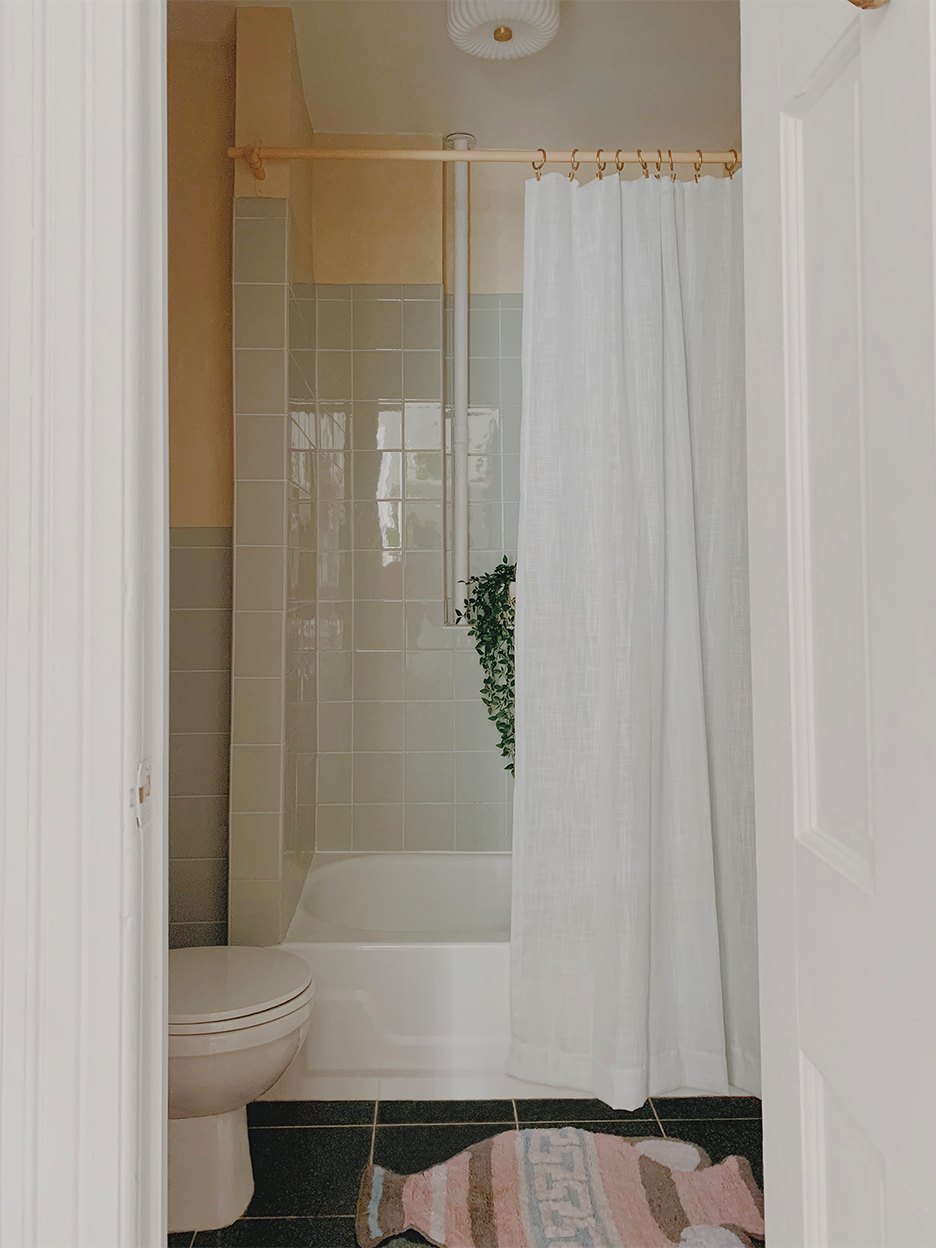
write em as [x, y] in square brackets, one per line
[429, 827]
[479, 827]
[484, 333]
[334, 575]
[259, 250]
[428, 674]
[334, 779]
[334, 526]
[378, 625]
[256, 206]
[424, 575]
[424, 526]
[260, 513]
[199, 577]
[378, 375]
[259, 382]
[469, 675]
[333, 827]
[377, 525]
[483, 430]
[378, 778]
[334, 676]
[425, 626]
[429, 777]
[377, 325]
[473, 729]
[378, 675]
[198, 827]
[256, 778]
[256, 846]
[377, 426]
[214, 536]
[260, 578]
[378, 726]
[376, 291]
[197, 890]
[199, 640]
[422, 325]
[334, 729]
[429, 726]
[423, 478]
[198, 764]
[378, 574]
[378, 474]
[260, 448]
[333, 325]
[201, 701]
[479, 777]
[259, 316]
[378, 827]
[255, 912]
[258, 643]
[422, 375]
[511, 333]
[257, 717]
[334, 374]
[333, 625]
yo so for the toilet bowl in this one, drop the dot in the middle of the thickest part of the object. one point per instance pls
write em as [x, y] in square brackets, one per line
[237, 1017]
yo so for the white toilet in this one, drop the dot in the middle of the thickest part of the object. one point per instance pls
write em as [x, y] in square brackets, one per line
[237, 1017]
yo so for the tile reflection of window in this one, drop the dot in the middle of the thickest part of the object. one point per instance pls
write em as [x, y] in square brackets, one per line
[388, 521]
[385, 476]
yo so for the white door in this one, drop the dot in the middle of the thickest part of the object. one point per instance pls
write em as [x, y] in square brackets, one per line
[838, 114]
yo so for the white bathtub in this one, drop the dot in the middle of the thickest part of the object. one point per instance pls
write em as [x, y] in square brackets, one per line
[410, 955]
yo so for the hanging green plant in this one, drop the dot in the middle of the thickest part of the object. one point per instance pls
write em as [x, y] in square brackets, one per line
[489, 610]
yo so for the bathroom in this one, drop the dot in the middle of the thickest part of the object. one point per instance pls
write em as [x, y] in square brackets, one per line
[337, 789]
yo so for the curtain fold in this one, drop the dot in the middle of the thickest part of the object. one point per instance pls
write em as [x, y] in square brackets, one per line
[634, 958]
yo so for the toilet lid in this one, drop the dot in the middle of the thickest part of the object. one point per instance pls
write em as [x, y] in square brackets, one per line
[220, 982]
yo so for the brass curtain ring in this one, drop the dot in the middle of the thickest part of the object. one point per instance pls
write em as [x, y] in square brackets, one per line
[618, 161]
[574, 163]
[731, 166]
[672, 171]
[600, 163]
[697, 164]
[538, 168]
[659, 163]
[643, 164]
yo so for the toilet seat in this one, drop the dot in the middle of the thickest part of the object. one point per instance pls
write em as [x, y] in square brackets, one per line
[234, 988]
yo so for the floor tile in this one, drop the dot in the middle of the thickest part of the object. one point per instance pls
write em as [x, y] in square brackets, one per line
[445, 1111]
[179, 1239]
[282, 1233]
[723, 1138]
[637, 1127]
[310, 1114]
[409, 1149]
[568, 1110]
[303, 1172]
[707, 1106]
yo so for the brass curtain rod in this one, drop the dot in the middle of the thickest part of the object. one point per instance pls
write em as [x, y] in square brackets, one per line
[658, 160]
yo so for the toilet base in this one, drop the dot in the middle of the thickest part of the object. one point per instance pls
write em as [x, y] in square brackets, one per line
[210, 1175]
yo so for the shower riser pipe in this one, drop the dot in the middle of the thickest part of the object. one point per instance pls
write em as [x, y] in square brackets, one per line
[460, 377]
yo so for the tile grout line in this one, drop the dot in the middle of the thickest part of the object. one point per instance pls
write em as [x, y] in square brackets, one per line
[513, 1102]
[657, 1117]
[373, 1139]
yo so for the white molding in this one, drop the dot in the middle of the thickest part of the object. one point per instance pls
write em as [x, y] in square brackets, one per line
[82, 605]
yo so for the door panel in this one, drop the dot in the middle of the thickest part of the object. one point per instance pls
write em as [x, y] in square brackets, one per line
[839, 260]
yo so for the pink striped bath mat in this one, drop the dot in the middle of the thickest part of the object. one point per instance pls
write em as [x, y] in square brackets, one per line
[567, 1188]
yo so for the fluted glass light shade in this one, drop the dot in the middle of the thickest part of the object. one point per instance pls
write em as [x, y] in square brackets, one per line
[502, 30]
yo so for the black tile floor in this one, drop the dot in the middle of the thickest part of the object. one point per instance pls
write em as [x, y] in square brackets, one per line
[308, 1155]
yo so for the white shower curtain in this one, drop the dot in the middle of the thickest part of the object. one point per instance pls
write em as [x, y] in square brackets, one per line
[634, 954]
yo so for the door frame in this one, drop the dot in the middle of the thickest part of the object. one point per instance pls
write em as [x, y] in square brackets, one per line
[83, 600]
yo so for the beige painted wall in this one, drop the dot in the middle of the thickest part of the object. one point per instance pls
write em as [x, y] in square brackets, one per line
[271, 112]
[377, 223]
[200, 128]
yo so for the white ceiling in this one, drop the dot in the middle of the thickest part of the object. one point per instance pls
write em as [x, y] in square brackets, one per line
[620, 73]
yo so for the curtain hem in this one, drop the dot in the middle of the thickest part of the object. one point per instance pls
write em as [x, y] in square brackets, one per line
[617, 1086]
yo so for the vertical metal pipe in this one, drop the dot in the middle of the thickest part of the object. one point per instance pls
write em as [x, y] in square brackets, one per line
[460, 566]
